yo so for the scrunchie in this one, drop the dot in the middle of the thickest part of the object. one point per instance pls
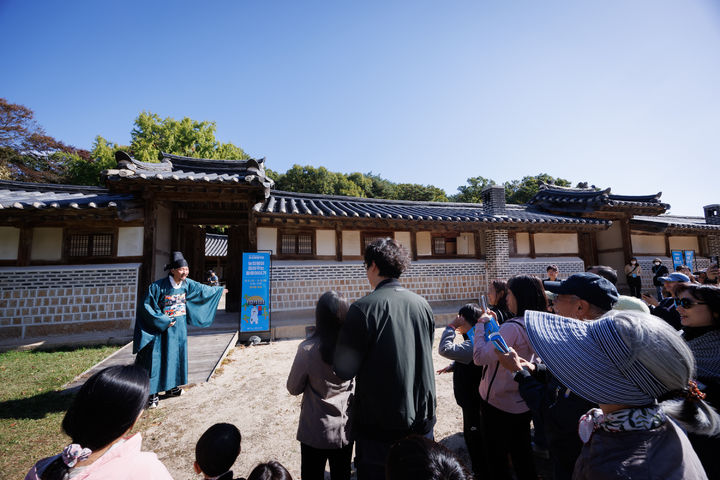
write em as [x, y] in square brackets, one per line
[74, 453]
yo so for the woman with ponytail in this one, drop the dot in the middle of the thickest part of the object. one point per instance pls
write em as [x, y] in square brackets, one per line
[641, 374]
[101, 415]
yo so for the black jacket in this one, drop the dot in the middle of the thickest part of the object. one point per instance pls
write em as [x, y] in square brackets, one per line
[386, 344]
[659, 271]
[667, 311]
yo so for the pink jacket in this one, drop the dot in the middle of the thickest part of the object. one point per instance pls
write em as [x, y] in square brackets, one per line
[124, 462]
[497, 386]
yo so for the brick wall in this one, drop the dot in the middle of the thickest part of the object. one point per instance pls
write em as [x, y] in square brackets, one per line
[714, 244]
[62, 300]
[497, 253]
[298, 286]
[538, 266]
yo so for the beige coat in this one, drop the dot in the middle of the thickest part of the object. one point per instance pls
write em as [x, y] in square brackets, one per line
[324, 411]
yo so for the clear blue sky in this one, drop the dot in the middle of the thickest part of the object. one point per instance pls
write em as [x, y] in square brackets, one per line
[621, 94]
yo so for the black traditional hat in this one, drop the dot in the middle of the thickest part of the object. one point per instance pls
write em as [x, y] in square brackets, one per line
[177, 261]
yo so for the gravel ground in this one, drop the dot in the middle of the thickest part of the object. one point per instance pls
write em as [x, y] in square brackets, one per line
[248, 390]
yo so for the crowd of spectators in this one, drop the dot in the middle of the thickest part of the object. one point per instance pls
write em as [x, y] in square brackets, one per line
[614, 386]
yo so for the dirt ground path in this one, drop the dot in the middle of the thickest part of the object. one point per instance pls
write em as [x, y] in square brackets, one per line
[249, 392]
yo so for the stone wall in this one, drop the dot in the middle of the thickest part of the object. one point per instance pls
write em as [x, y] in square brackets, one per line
[62, 300]
[297, 285]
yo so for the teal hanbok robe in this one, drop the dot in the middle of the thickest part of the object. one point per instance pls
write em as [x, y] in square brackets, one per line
[160, 348]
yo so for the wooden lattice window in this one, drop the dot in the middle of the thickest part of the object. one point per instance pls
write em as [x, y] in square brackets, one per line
[444, 246]
[296, 243]
[91, 245]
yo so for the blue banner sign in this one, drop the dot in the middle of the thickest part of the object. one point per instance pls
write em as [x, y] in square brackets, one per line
[255, 302]
[690, 258]
[677, 258]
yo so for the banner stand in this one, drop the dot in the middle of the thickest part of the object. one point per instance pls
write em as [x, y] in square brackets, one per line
[255, 308]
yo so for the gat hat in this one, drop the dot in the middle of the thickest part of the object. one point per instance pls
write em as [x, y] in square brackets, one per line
[592, 360]
[177, 261]
[592, 288]
[675, 277]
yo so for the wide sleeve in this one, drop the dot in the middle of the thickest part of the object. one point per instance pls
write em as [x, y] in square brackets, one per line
[462, 352]
[201, 303]
[483, 352]
[352, 344]
[298, 377]
[150, 320]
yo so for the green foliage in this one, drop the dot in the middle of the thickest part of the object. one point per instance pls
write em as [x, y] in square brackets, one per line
[414, 191]
[520, 191]
[152, 135]
[87, 172]
[472, 192]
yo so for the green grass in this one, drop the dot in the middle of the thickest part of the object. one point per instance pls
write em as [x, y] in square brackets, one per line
[31, 405]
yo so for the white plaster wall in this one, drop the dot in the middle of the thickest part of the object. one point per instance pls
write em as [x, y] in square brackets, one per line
[46, 244]
[163, 233]
[610, 238]
[684, 243]
[9, 243]
[130, 241]
[325, 242]
[267, 239]
[650, 244]
[466, 244]
[522, 243]
[424, 247]
[556, 242]
[403, 238]
[351, 243]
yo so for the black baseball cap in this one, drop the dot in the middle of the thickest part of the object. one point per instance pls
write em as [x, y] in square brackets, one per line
[592, 288]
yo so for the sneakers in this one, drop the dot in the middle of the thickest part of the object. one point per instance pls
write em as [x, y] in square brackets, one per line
[153, 401]
[175, 392]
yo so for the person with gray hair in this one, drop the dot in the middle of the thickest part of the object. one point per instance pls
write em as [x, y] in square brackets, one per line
[639, 371]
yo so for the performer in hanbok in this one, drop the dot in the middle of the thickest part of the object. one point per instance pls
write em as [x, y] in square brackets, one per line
[160, 339]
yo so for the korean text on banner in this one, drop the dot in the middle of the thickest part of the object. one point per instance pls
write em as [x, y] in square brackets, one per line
[255, 307]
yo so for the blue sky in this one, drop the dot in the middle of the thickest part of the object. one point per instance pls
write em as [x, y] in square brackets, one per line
[621, 94]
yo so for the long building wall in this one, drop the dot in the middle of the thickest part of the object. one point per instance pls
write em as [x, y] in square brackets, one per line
[55, 300]
[298, 285]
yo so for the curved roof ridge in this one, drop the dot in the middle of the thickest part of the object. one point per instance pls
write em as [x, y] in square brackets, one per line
[51, 187]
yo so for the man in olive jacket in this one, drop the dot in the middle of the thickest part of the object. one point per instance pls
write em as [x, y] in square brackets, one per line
[386, 343]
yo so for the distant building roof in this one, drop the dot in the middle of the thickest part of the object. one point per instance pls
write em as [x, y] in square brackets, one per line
[41, 196]
[174, 168]
[215, 245]
[672, 223]
[581, 200]
[312, 205]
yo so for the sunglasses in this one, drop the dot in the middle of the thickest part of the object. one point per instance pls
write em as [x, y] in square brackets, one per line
[686, 303]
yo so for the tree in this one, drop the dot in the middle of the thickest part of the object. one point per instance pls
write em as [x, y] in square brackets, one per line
[87, 172]
[152, 135]
[472, 192]
[414, 191]
[521, 191]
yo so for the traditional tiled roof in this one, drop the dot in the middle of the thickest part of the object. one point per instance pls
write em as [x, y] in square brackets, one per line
[174, 168]
[554, 198]
[669, 223]
[40, 196]
[310, 205]
[215, 245]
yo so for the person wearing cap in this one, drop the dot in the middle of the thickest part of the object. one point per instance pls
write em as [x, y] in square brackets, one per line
[466, 380]
[639, 371]
[583, 296]
[625, 302]
[658, 270]
[160, 338]
[666, 308]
